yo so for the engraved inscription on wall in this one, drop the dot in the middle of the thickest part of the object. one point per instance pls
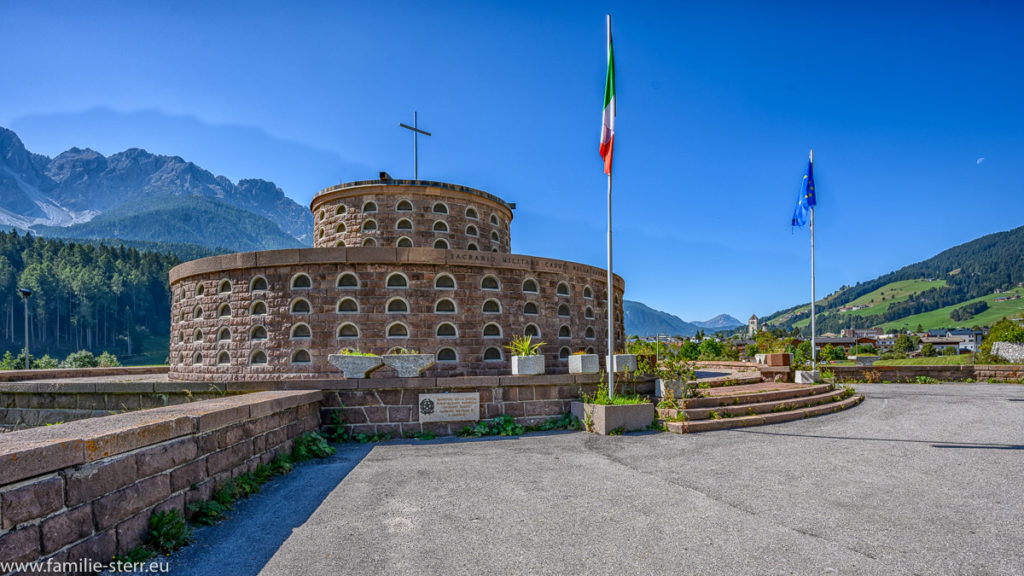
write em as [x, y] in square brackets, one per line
[455, 407]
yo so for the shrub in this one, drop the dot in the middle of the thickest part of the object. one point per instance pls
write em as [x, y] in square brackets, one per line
[12, 362]
[46, 362]
[107, 360]
[710, 349]
[80, 359]
[1005, 330]
[903, 344]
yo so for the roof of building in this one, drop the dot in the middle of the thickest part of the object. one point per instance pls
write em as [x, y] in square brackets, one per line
[941, 340]
[422, 183]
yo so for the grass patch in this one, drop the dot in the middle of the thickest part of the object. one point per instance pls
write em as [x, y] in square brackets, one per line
[151, 350]
[600, 396]
[934, 361]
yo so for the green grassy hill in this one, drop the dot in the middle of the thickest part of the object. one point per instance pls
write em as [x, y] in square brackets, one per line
[940, 318]
[926, 292]
[877, 301]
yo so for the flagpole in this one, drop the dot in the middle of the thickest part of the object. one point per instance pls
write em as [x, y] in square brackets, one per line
[611, 301]
[608, 139]
[814, 349]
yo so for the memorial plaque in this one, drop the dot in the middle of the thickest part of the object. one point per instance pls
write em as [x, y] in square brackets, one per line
[455, 407]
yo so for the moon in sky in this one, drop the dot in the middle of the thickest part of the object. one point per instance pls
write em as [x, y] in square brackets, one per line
[980, 160]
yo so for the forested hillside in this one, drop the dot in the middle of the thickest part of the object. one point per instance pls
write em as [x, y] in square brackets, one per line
[969, 270]
[84, 296]
[204, 221]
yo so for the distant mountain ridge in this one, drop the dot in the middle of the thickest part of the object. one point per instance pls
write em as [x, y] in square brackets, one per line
[43, 195]
[644, 321]
[720, 322]
[202, 221]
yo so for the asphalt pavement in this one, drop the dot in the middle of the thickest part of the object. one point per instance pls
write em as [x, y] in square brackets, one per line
[918, 479]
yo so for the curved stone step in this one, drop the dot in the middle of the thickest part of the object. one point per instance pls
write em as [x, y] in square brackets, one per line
[767, 395]
[734, 379]
[750, 409]
[760, 419]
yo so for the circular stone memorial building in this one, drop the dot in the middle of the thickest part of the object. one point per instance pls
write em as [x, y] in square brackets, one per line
[406, 264]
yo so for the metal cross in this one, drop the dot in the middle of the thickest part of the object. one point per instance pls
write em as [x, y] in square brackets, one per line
[415, 143]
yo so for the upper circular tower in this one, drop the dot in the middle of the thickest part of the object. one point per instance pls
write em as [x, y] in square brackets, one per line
[410, 214]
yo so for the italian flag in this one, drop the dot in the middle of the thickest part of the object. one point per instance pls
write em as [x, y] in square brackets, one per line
[608, 121]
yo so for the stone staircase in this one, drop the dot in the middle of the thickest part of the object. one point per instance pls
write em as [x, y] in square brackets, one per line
[753, 404]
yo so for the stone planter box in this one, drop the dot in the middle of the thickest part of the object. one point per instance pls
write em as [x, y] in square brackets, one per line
[355, 366]
[777, 359]
[527, 365]
[584, 364]
[606, 419]
[807, 377]
[409, 365]
[661, 387]
[623, 362]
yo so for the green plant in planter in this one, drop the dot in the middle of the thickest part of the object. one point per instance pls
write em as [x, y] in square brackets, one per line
[669, 401]
[579, 353]
[353, 352]
[678, 369]
[600, 396]
[524, 346]
[402, 352]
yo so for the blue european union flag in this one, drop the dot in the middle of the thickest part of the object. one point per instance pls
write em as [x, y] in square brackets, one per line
[807, 201]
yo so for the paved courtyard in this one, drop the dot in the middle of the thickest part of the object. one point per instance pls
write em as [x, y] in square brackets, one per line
[919, 479]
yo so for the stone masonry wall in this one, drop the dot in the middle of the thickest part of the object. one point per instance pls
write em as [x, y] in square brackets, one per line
[977, 373]
[391, 406]
[25, 405]
[245, 316]
[86, 489]
[64, 373]
[1009, 351]
[421, 213]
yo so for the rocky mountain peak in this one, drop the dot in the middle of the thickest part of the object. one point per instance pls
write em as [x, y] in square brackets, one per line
[80, 183]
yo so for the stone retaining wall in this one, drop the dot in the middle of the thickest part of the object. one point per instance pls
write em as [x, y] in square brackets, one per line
[64, 373]
[957, 373]
[729, 365]
[86, 489]
[26, 405]
[391, 406]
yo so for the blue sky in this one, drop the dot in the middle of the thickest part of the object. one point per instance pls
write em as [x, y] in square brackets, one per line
[719, 103]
